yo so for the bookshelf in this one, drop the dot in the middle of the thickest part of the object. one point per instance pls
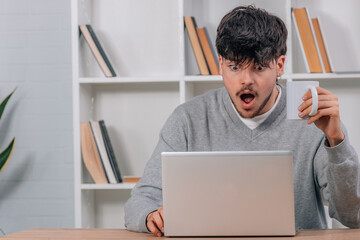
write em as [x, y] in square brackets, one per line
[156, 71]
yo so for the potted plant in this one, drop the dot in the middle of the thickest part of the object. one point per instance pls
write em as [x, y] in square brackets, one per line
[6, 154]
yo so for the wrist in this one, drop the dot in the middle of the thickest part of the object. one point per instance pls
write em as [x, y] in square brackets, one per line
[335, 140]
[147, 219]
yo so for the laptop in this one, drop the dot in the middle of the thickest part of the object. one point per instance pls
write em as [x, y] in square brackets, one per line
[228, 193]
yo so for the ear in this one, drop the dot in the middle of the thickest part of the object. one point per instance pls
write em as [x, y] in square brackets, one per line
[280, 65]
[220, 65]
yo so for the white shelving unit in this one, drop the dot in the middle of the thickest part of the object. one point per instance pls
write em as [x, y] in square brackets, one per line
[148, 48]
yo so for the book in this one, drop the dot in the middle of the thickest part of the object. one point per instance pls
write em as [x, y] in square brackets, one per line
[307, 40]
[97, 50]
[110, 151]
[130, 179]
[321, 43]
[98, 153]
[190, 26]
[90, 155]
[209, 54]
[101, 50]
[95, 126]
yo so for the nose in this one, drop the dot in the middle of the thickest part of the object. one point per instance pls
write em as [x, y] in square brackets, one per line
[246, 77]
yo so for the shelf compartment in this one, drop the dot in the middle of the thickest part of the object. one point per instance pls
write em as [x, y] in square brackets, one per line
[341, 39]
[103, 208]
[134, 46]
[134, 115]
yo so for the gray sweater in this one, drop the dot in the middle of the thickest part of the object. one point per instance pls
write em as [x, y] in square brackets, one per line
[209, 123]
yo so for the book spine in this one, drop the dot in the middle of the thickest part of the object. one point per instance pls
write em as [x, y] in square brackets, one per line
[315, 41]
[90, 155]
[95, 51]
[195, 43]
[110, 151]
[321, 43]
[307, 40]
[213, 50]
[209, 55]
[102, 152]
[101, 50]
[300, 43]
[98, 152]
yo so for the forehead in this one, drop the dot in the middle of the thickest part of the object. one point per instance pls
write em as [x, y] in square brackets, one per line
[245, 63]
[248, 63]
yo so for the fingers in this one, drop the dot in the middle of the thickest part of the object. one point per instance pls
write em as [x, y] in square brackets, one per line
[152, 227]
[320, 91]
[321, 113]
[306, 107]
[155, 222]
[323, 91]
[327, 118]
[322, 98]
[326, 100]
[331, 107]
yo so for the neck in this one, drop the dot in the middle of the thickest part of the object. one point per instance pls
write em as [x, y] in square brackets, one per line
[276, 95]
[271, 101]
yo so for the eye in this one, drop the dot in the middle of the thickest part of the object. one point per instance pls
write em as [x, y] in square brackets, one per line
[234, 67]
[259, 67]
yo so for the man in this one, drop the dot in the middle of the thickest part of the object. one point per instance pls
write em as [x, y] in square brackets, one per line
[249, 114]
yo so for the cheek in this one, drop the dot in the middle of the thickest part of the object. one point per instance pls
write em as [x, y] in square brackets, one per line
[231, 78]
[268, 80]
[231, 89]
[267, 87]
[231, 84]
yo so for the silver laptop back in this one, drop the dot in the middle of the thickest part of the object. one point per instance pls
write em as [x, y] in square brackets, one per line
[228, 193]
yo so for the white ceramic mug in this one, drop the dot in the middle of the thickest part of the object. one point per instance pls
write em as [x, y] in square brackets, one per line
[294, 93]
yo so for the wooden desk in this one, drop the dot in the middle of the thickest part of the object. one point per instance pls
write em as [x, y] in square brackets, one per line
[108, 234]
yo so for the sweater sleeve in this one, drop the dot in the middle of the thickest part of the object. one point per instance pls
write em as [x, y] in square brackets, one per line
[338, 175]
[146, 196]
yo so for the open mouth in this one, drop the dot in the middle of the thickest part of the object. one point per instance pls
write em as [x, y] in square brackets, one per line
[247, 98]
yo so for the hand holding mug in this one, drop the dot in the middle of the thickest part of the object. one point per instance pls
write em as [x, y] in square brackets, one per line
[306, 100]
[327, 117]
[295, 92]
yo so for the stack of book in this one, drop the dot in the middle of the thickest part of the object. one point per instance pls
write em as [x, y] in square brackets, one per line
[312, 42]
[204, 53]
[98, 154]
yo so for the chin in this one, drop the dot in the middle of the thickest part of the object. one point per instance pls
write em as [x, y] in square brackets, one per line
[247, 114]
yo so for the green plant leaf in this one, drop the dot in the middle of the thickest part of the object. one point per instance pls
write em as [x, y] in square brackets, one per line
[4, 102]
[6, 155]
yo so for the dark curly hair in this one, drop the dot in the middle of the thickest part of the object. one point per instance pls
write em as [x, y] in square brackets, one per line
[248, 34]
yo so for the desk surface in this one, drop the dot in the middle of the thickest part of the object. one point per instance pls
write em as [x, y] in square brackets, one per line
[108, 234]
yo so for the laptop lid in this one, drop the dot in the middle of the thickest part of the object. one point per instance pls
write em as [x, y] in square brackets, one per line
[228, 193]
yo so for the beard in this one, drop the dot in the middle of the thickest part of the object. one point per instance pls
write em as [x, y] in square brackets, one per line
[262, 105]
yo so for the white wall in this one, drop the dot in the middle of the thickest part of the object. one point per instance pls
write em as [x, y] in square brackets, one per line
[36, 188]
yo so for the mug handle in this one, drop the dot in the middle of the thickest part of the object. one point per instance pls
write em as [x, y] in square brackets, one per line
[315, 100]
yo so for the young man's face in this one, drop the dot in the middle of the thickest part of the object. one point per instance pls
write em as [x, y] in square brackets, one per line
[252, 89]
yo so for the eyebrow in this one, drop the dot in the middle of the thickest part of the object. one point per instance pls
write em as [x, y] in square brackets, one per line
[229, 61]
[241, 66]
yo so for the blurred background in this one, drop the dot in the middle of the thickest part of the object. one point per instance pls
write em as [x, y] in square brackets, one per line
[36, 187]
